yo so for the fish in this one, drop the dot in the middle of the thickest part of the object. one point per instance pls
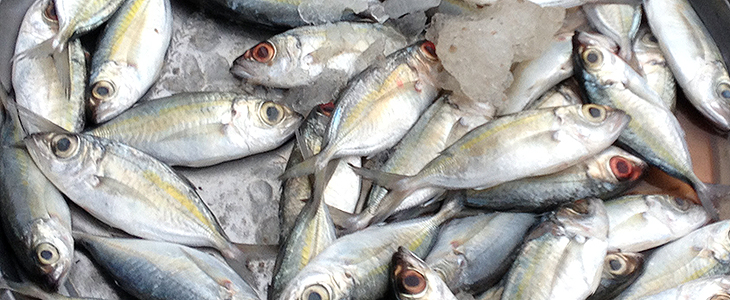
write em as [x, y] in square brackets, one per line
[35, 80]
[605, 175]
[129, 56]
[506, 146]
[620, 269]
[412, 279]
[31, 290]
[162, 270]
[619, 22]
[378, 107]
[34, 215]
[303, 55]
[565, 93]
[563, 257]
[355, 266]
[693, 57]
[203, 128]
[473, 253]
[642, 222]
[710, 288]
[654, 133]
[655, 67]
[534, 77]
[702, 253]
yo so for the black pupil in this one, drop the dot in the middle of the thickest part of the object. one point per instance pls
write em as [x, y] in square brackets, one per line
[262, 52]
[51, 11]
[622, 167]
[411, 281]
[63, 144]
[272, 113]
[592, 57]
[615, 264]
[725, 94]
[102, 91]
[595, 112]
[653, 39]
[45, 254]
[314, 296]
[679, 201]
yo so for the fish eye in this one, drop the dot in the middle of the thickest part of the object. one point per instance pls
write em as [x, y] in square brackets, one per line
[616, 264]
[49, 13]
[263, 52]
[410, 282]
[579, 207]
[326, 108]
[594, 113]
[46, 253]
[649, 38]
[315, 292]
[64, 146]
[429, 49]
[681, 203]
[592, 57]
[103, 90]
[271, 113]
[723, 90]
[623, 169]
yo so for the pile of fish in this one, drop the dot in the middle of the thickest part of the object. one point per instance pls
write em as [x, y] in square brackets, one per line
[400, 183]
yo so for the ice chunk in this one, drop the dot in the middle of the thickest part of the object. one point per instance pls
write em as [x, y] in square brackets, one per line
[411, 25]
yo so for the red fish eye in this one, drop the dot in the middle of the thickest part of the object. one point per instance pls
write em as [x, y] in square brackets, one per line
[327, 108]
[624, 169]
[263, 52]
[429, 49]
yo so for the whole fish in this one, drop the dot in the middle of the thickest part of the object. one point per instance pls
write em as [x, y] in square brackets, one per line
[608, 173]
[654, 67]
[619, 22]
[703, 253]
[710, 288]
[620, 269]
[302, 55]
[129, 56]
[535, 77]
[52, 101]
[412, 279]
[565, 93]
[355, 266]
[379, 106]
[472, 253]
[654, 133]
[693, 56]
[202, 129]
[507, 148]
[34, 215]
[563, 257]
[160, 270]
[642, 222]
[127, 189]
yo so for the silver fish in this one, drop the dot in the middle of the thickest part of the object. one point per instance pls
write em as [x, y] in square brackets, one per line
[709, 288]
[565, 93]
[693, 57]
[620, 269]
[413, 280]
[703, 253]
[129, 56]
[472, 253]
[302, 55]
[563, 257]
[202, 129]
[642, 222]
[160, 270]
[355, 266]
[35, 80]
[655, 67]
[75, 17]
[654, 132]
[618, 22]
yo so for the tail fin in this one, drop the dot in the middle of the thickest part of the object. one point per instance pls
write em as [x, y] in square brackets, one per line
[303, 168]
[709, 195]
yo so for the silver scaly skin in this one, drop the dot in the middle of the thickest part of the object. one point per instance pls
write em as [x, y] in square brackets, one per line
[708, 288]
[642, 222]
[302, 55]
[78, 16]
[412, 279]
[129, 56]
[202, 129]
[655, 67]
[35, 80]
[693, 57]
[563, 257]
[703, 253]
[565, 93]
[618, 22]
[160, 270]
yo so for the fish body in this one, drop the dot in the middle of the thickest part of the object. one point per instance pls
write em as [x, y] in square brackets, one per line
[302, 55]
[563, 257]
[78, 16]
[642, 222]
[607, 174]
[413, 280]
[693, 57]
[655, 67]
[202, 129]
[160, 270]
[129, 56]
[714, 287]
[618, 22]
[565, 93]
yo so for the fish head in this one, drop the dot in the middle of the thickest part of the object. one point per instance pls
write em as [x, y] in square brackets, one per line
[592, 127]
[677, 214]
[715, 97]
[622, 266]
[587, 217]
[260, 119]
[316, 282]
[112, 90]
[49, 246]
[279, 62]
[597, 57]
[426, 62]
[616, 166]
[60, 154]
[413, 279]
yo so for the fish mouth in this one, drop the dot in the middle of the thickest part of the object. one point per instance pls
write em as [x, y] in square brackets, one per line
[239, 71]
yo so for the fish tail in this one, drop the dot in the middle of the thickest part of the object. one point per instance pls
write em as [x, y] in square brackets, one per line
[453, 205]
[710, 195]
[390, 181]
